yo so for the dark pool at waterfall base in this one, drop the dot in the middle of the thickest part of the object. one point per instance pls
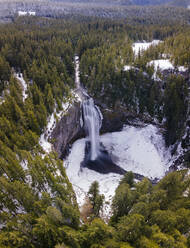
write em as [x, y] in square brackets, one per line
[103, 163]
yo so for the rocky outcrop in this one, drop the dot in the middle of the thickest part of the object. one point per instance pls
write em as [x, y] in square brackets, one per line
[67, 130]
[114, 120]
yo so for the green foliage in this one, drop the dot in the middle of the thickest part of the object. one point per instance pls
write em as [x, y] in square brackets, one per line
[176, 105]
[97, 233]
[158, 216]
[5, 73]
[130, 228]
[128, 178]
[95, 198]
[37, 204]
[123, 200]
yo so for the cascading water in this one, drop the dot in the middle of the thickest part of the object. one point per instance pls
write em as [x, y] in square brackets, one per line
[96, 157]
[77, 73]
[93, 120]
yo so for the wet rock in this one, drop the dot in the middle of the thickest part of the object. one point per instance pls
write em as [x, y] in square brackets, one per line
[67, 130]
[114, 120]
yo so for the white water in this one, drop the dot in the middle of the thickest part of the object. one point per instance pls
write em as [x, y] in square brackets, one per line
[92, 120]
[77, 73]
[91, 113]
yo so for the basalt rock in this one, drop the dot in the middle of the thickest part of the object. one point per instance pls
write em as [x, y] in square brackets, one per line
[67, 130]
[114, 120]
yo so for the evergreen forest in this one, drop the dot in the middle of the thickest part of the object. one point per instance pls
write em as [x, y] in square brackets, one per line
[38, 206]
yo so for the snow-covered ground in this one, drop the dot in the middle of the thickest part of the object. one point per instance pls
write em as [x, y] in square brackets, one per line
[128, 67]
[164, 64]
[182, 69]
[19, 76]
[140, 150]
[142, 46]
[45, 144]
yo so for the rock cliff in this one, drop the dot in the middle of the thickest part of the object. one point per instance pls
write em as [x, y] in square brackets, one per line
[67, 130]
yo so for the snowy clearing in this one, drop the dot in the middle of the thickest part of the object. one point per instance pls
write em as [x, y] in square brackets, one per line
[143, 46]
[165, 64]
[140, 150]
[182, 69]
[162, 64]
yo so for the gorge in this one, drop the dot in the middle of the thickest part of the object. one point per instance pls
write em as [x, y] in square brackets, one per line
[72, 126]
[137, 147]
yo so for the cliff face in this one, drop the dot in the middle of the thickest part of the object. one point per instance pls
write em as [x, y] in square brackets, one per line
[67, 130]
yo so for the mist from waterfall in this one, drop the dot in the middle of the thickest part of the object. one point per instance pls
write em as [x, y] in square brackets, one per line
[92, 119]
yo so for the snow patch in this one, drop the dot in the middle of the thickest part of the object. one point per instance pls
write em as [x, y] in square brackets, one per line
[52, 120]
[45, 144]
[143, 46]
[20, 78]
[25, 13]
[182, 69]
[128, 68]
[24, 164]
[162, 64]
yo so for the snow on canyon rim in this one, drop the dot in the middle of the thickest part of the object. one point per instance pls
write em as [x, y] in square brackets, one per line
[137, 149]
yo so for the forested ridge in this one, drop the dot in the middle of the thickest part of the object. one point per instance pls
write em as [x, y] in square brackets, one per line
[37, 204]
[132, 11]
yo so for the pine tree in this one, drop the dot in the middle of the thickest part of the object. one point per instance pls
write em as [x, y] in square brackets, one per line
[95, 198]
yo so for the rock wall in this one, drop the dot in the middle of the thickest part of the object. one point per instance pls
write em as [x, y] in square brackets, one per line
[67, 130]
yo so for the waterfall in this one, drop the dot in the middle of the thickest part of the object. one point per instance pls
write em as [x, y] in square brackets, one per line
[93, 120]
[96, 157]
[91, 115]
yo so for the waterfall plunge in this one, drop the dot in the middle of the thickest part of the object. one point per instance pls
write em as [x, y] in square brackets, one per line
[93, 121]
[91, 114]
